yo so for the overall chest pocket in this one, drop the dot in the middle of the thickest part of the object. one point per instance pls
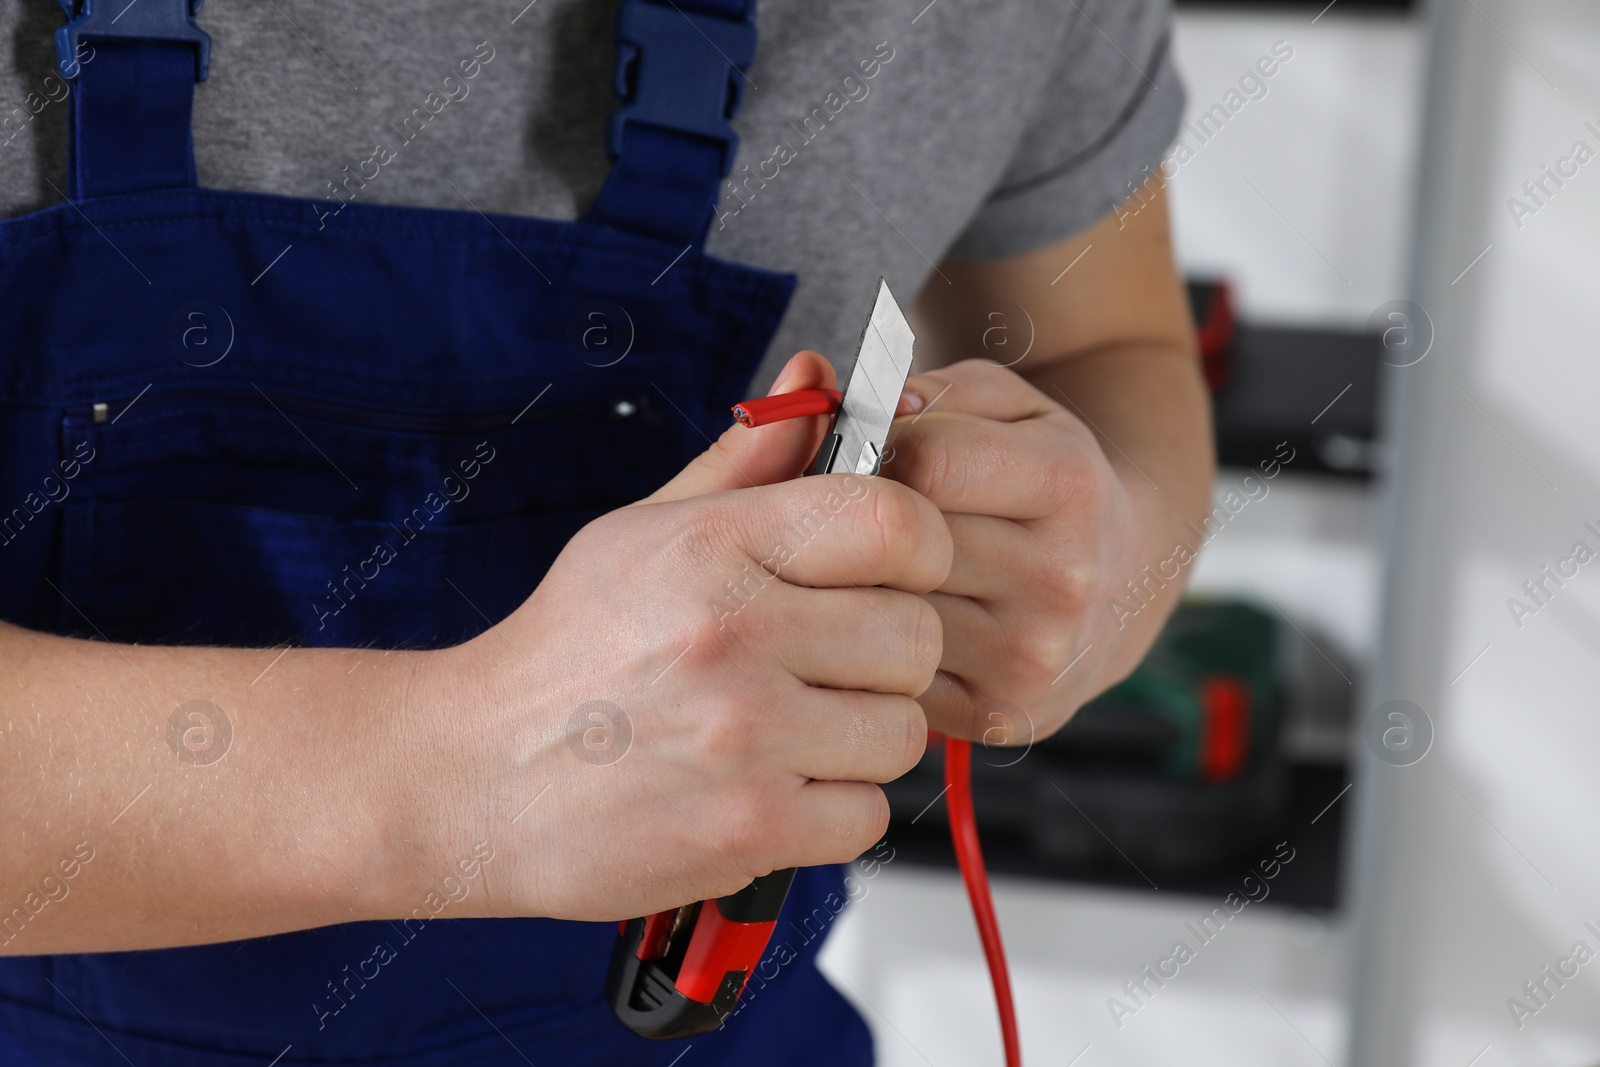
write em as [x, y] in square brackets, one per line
[255, 516]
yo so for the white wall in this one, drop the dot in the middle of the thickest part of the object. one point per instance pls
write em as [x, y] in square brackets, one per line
[1323, 237]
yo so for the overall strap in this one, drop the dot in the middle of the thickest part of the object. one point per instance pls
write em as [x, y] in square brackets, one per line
[135, 66]
[680, 73]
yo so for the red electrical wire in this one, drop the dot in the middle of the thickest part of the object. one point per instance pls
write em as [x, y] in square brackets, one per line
[957, 760]
[969, 855]
[787, 406]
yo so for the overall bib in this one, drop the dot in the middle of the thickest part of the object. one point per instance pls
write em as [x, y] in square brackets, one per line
[215, 407]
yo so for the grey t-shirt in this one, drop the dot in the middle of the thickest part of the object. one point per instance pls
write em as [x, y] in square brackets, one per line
[876, 138]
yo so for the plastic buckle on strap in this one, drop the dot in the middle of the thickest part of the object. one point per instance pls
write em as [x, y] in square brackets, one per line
[665, 80]
[131, 20]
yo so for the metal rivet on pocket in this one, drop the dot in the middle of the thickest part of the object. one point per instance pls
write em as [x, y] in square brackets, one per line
[101, 412]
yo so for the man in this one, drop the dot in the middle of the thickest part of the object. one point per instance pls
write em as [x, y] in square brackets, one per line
[182, 769]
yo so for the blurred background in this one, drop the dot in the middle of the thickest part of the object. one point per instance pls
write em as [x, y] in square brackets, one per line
[1352, 727]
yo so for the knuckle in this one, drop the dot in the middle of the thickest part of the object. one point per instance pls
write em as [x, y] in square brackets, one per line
[1094, 482]
[747, 831]
[813, 505]
[731, 609]
[975, 368]
[1001, 723]
[913, 539]
[1041, 653]
[1068, 482]
[868, 822]
[1068, 584]
[701, 643]
[973, 721]
[1067, 569]
[1058, 486]
[724, 738]
[741, 831]
[874, 822]
[1078, 582]
[930, 465]
[854, 819]
[699, 537]
[699, 633]
[896, 519]
[916, 737]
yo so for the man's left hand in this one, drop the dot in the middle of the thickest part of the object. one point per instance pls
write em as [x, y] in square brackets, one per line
[1046, 530]
[1085, 468]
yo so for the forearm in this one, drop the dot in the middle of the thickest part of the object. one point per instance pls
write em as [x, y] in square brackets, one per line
[1147, 405]
[120, 832]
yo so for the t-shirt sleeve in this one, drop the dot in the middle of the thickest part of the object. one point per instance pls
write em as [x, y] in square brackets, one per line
[1108, 110]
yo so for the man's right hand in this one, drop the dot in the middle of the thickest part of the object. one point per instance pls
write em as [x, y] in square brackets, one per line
[360, 784]
[703, 689]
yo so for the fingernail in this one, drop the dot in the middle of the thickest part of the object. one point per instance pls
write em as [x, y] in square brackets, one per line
[911, 402]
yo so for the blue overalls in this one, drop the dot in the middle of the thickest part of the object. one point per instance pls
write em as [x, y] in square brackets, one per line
[215, 406]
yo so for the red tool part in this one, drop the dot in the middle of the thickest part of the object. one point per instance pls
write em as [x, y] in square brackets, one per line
[679, 973]
[1214, 333]
[1224, 727]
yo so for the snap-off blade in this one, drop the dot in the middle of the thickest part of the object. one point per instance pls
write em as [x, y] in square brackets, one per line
[883, 359]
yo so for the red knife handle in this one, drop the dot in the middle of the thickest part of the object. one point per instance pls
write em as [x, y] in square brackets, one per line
[679, 973]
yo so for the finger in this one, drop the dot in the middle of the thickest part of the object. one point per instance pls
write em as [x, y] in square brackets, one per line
[848, 736]
[834, 530]
[979, 387]
[989, 556]
[833, 822]
[744, 457]
[975, 465]
[795, 823]
[951, 709]
[879, 640]
[976, 638]
[1003, 727]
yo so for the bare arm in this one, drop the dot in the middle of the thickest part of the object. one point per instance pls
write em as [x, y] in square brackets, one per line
[283, 831]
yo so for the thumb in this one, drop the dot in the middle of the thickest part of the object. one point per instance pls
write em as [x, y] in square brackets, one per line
[743, 456]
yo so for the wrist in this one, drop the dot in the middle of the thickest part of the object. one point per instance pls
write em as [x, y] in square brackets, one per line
[1149, 579]
[438, 790]
[400, 791]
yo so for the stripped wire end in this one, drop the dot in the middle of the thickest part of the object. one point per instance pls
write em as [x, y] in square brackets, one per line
[782, 406]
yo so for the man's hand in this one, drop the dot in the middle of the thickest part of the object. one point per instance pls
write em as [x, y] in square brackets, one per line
[660, 722]
[1066, 474]
[704, 688]
[1044, 530]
